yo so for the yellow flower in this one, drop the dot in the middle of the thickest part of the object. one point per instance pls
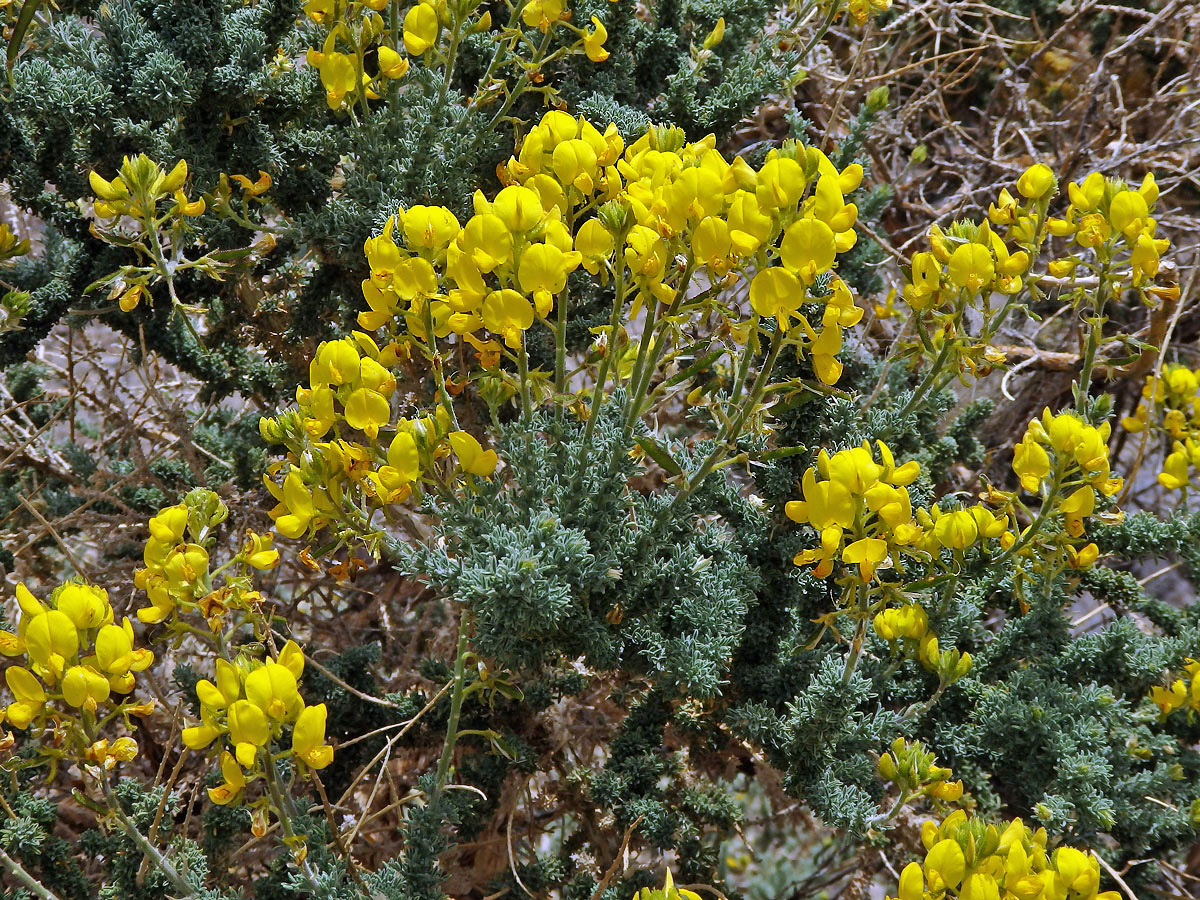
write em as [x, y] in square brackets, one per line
[86, 606]
[197, 737]
[248, 730]
[716, 35]
[227, 690]
[543, 273]
[1037, 182]
[909, 621]
[367, 411]
[114, 650]
[295, 510]
[1031, 463]
[273, 689]
[593, 42]
[103, 753]
[129, 300]
[594, 243]
[823, 349]
[945, 865]
[1076, 507]
[50, 640]
[712, 245]
[169, 525]
[84, 687]
[955, 530]
[391, 63]
[235, 781]
[1128, 212]
[971, 267]
[749, 225]
[507, 314]
[781, 183]
[308, 738]
[808, 248]
[912, 882]
[541, 14]
[776, 293]
[472, 458]
[867, 554]
[420, 28]
[29, 693]
[338, 77]
[258, 552]
[429, 227]
[319, 10]
[404, 460]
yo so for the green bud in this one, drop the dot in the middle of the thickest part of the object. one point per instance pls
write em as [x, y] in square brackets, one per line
[877, 99]
[616, 217]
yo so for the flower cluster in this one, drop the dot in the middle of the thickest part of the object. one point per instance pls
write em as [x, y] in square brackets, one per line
[862, 10]
[1065, 460]
[147, 209]
[1174, 395]
[974, 275]
[1183, 692]
[330, 481]
[860, 508]
[968, 859]
[906, 630]
[248, 707]
[177, 578]
[863, 513]
[645, 218]
[364, 52]
[915, 771]
[77, 675]
[965, 266]
[658, 200]
[1115, 223]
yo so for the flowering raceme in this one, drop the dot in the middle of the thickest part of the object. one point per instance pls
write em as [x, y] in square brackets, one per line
[575, 197]
[177, 578]
[860, 509]
[247, 707]
[1182, 693]
[77, 660]
[1174, 395]
[1060, 453]
[967, 859]
[974, 275]
[428, 34]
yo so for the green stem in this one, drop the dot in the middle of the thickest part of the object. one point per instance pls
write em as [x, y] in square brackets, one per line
[821, 30]
[744, 368]
[640, 382]
[858, 599]
[18, 872]
[143, 842]
[452, 53]
[523, 372]
[610, 350]
[930, 377]
[560, 356]
[522, 83]
[284, 811]
[1036, 526]
[436, 361]
[636, 378]
[456, 703]
[1091, 348]
[760, 384]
